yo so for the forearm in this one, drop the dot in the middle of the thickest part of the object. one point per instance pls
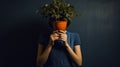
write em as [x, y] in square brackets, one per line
[75, 57]
[44, 56]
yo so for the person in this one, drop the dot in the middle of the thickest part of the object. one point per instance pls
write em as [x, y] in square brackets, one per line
[51, 53]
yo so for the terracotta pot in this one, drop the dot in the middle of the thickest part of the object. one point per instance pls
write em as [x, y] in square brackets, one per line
[60, 25]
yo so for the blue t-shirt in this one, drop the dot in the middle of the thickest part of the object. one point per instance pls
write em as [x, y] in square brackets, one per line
[59, 57]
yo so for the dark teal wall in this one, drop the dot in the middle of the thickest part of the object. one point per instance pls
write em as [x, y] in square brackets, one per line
[98, 27]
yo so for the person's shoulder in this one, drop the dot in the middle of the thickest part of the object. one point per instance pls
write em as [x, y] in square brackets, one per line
[73, 33]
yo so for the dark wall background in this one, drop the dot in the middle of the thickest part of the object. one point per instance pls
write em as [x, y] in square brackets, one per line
[98, 27]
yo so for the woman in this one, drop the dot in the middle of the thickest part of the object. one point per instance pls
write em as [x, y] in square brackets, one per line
[54, 54]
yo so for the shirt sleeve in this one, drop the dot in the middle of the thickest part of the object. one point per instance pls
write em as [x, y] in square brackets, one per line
[77, 40]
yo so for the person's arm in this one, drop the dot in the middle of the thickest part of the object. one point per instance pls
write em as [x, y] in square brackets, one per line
[76, 55]
[42, 56]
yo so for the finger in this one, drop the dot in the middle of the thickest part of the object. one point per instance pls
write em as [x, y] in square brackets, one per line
[56, 35]
[63, 35]
[56, 31]
[61, 39]
[61, 31]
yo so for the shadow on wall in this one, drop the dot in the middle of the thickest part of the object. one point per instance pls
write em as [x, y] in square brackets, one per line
[19, 45]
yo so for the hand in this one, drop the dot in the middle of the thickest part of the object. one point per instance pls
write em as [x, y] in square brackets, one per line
[54, 36]
[62, 36]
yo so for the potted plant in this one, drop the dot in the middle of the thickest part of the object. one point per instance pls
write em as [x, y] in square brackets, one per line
[58, 11]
